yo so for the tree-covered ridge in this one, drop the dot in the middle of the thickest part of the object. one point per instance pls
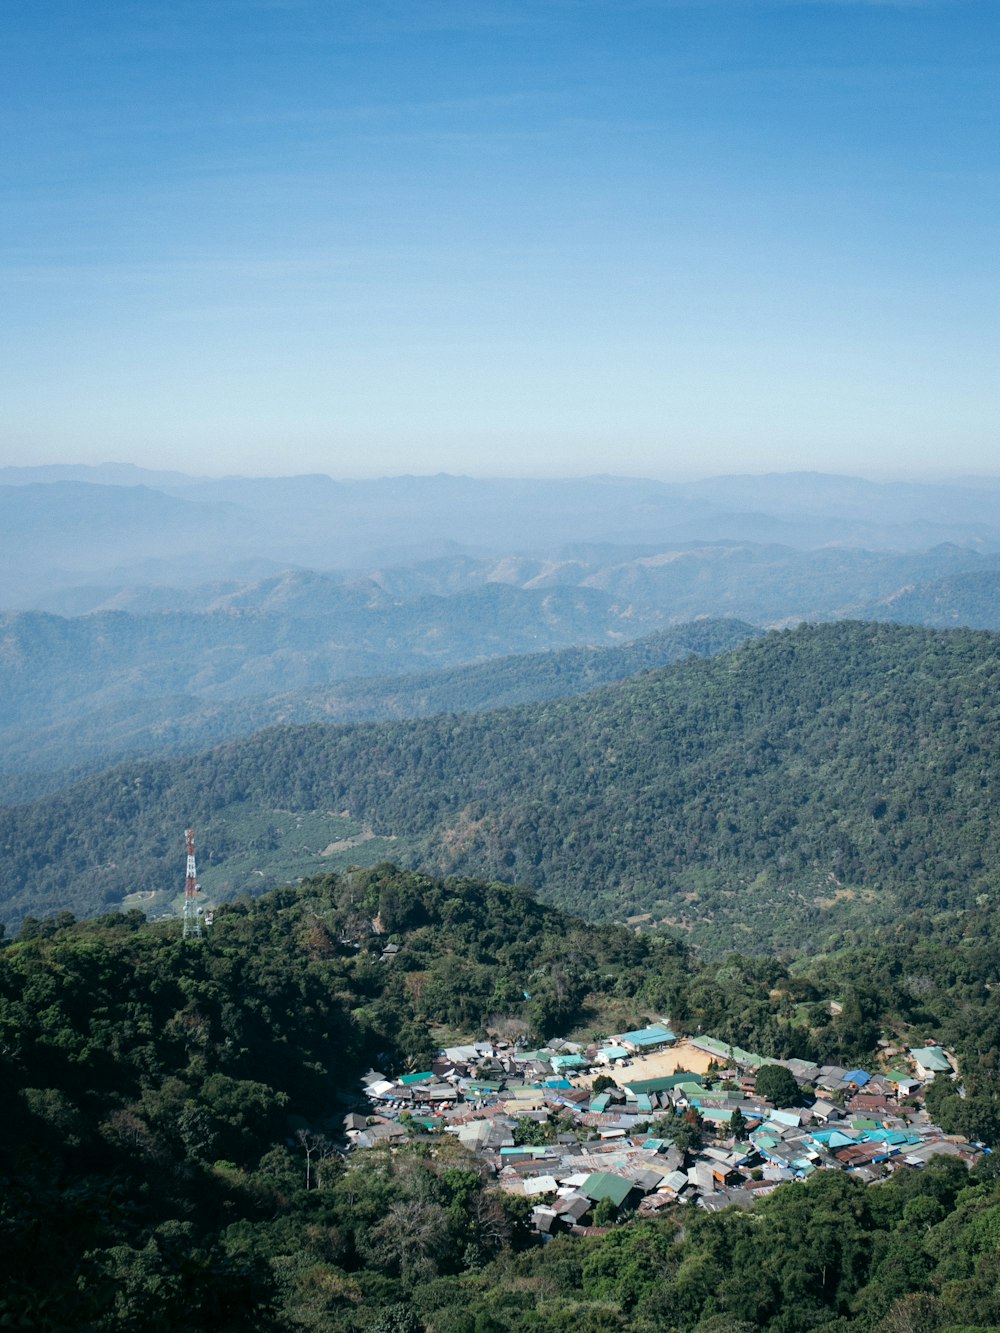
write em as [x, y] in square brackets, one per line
[151, 1176]
[145, 1083]
[50, 663]
[112, 712]
[816, 779]
[970, 598]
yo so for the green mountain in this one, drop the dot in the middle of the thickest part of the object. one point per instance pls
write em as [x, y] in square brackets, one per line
[814, 781]
[85, 720]
[159, 1099]
[969, 598]
[95, 674]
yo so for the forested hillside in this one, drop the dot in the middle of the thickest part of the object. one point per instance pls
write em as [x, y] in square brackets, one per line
[50, 729]
[51, 665]
[106, 663]
[971, 598]
[814, 781]
[152, 1175]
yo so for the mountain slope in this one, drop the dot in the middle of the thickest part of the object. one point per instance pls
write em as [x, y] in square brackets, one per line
[969, 598]
[827, 776]
[94, 737]
[51, 666]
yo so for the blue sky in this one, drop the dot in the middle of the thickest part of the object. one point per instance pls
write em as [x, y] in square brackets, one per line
[538, 236]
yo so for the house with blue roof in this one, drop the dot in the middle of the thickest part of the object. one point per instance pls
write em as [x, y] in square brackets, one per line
[649, 1038]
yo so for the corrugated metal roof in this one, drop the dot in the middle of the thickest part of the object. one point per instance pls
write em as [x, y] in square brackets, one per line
[933, 1058]
[604, 1185]
[653, 1035]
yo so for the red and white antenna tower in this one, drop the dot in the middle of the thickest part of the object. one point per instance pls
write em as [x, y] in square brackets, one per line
[192, 912]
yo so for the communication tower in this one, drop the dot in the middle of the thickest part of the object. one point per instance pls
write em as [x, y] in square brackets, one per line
[192, 912]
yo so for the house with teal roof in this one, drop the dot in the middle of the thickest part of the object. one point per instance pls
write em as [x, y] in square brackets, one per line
[646, 1039]
[606, 1185]
[930, 1060]
[560, 1063]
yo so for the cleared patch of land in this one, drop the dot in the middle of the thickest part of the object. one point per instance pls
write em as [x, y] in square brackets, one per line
[345, 844]
[661, 1064]
[658, 1064]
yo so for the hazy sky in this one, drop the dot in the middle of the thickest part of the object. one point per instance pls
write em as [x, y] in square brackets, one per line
[501, 236]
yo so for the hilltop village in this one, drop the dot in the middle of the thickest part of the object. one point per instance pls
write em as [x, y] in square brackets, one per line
[646, 1120]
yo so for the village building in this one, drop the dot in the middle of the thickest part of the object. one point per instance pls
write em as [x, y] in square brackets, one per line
[493, 1098]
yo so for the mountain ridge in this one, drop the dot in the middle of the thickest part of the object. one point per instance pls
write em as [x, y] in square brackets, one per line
[95, 734]
[814, 781]
[318, 522]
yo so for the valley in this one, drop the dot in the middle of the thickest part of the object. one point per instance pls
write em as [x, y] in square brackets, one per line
[500, 667]
[467, 820]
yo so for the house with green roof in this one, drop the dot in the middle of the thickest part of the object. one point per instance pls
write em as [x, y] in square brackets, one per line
[726, 1053]
[606, 1185]
[690, 1090]
[930, 1060]
[562, 1062]
[665, 1084]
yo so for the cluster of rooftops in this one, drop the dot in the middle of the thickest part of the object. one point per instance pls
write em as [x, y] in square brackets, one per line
[600, 1146]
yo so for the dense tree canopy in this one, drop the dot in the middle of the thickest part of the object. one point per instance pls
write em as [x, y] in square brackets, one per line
[779, 1087]
[166, 1161]
[813, 783]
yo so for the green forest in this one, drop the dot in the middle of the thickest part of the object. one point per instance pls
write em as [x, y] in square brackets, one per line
[170, 1161]
[785, 796]
[61, 719]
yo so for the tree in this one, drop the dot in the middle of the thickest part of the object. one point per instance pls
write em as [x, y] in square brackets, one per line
[777, 1085]
[411, 1241]
[318, 1149]
[737, 1124]
[531, 1132]
[684, 1130]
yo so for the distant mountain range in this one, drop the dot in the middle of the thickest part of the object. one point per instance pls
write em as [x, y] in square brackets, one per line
[626, 589]
[64, 527]
[155, 612]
